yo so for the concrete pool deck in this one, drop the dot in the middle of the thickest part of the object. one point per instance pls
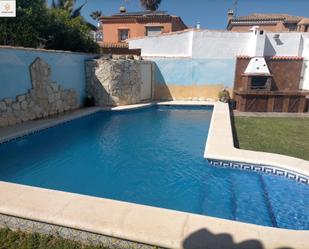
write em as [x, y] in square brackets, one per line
[220, 146]
[50, 210]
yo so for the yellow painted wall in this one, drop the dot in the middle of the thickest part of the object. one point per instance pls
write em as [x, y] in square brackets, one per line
[187, 92]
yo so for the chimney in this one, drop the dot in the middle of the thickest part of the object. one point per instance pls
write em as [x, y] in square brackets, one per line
[198, 25]
[230, 15]
[122, 9]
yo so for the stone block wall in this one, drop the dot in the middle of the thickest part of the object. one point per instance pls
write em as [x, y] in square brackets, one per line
[113, 82]
[43, 99]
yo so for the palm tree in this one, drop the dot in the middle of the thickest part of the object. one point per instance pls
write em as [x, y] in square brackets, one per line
[150, 5]
[69, 6]
[95, 15]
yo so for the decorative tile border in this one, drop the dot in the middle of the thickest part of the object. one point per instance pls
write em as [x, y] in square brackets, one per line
[30, 226]
[51, 123]
[69, 117]
[262, 169]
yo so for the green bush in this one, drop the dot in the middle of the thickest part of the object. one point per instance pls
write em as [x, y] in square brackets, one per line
[27, 28]
[224, 96]
[37, 26]
[66, 33]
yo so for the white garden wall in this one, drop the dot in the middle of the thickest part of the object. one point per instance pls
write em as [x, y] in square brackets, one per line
[219, 45]
[169, 45]
[217, 49]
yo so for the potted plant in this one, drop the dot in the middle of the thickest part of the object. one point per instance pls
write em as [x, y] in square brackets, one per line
[224, 96]
[89, 101]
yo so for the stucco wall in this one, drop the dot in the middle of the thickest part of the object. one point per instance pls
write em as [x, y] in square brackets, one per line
[305, 71]
[67, 69]
[287, 44]
[279, 27]
[43, 99]
[221, 44]
[194, 71]
[193, 64]
[218, 45]
[211, 55]
[192, 78]
[111, 30]
[169, 45]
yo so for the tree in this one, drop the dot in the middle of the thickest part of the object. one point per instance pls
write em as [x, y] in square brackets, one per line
[68, 5]
[95, 15]
[150, 5]
[27, 28]
[66, 33]
[35, 25]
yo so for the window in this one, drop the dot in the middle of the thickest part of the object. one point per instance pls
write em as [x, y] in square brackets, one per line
[153, 31]
[292, 27]
[123, 34]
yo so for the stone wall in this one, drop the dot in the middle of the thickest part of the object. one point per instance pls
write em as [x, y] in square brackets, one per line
[43, 99]
[114, 82]
[67, 69]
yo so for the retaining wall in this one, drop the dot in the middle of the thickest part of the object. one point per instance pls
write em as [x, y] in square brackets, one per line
[115, 82]
[67, 69]
[37, 83]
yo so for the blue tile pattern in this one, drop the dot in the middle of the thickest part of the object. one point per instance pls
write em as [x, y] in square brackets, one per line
[262, 169]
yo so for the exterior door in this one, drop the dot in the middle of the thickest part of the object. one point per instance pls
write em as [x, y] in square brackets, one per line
[146, 77]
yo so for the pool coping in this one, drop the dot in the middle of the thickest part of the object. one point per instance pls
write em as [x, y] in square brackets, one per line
[145, 224]
[220, 148]
[19, 130]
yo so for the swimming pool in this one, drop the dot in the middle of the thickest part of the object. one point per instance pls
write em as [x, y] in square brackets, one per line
[154, 157]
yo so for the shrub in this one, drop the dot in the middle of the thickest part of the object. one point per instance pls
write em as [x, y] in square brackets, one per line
[26, 29]
[66, 33]
[224, 96]
[37, 26]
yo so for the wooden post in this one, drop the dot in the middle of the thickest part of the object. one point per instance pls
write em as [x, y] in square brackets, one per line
[302, 103]
[270, 103]
[286, 102]
[243, 102]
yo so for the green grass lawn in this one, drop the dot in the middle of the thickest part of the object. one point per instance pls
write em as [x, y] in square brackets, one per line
[20, 240]
[286, 136]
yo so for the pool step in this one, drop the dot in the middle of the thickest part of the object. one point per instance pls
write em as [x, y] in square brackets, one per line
[218, 198]
[287, 198]
[238, 196]
[251, 202]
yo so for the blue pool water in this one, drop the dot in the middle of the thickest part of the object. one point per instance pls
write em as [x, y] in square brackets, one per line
[154, 157]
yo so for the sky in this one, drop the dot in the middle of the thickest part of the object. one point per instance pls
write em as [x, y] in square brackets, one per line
[212, 14]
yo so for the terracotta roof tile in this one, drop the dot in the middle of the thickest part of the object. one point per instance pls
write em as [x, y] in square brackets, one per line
[243, 56]
[291, 58]
[113, 44]
[304, 21]
[258, 17]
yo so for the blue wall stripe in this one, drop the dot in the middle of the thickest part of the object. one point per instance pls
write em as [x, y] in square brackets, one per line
[67, 69]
